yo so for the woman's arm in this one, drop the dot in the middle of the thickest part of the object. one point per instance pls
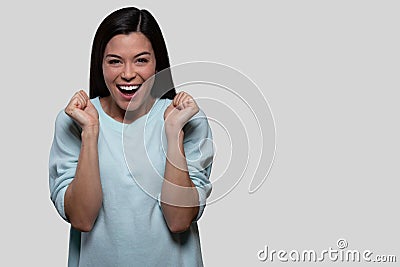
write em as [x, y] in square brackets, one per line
[83, 197]
[179, 196]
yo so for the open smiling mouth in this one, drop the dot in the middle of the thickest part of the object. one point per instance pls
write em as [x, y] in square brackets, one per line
[128, 90]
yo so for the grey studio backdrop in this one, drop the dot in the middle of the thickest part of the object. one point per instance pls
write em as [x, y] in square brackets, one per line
[328, 69]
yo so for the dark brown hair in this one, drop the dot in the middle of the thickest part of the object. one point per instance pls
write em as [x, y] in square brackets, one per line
[125, 21]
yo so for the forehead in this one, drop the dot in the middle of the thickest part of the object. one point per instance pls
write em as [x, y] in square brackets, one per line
[129, 43]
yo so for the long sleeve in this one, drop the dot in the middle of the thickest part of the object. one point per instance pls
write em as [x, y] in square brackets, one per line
[198, 146]
[130, 220]
[63, 159]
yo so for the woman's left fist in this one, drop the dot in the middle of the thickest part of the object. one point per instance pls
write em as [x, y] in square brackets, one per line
[178, 113]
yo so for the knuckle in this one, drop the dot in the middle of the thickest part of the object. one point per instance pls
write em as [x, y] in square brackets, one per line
[68, 110]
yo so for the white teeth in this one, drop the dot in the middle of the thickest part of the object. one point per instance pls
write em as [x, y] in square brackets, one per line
[129, 88]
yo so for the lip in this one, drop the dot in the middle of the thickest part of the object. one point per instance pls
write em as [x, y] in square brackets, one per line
[137, 86]
[129, 84]
[128, 96]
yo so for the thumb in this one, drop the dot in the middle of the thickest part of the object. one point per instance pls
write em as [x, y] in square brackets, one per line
[89, 104]
[168, 110]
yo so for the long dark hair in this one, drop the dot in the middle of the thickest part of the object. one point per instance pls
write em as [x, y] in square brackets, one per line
[125, 21]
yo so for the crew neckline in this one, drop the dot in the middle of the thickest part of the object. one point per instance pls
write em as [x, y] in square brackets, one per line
[119, 126]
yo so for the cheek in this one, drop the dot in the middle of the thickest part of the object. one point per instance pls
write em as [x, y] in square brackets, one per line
[149, 71]
[109, 74]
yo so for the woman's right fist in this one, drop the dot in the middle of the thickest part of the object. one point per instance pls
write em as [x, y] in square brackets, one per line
[82, 110]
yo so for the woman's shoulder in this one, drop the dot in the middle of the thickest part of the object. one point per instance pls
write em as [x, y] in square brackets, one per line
[159, 107]
[65, 125]
[62, 119]
[96, 102]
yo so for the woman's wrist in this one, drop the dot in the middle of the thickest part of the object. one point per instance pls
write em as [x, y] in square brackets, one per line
[174, 133]
[90, 131]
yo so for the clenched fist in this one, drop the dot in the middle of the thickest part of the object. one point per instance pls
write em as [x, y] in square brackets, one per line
[182, 108]
[82, 110]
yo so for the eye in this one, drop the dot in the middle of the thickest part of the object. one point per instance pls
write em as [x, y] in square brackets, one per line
[114, 61]
[142, 60]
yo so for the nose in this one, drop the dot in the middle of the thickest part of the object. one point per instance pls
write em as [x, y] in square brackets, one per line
[128, 73]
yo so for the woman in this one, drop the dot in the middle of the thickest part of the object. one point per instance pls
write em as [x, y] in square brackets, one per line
[110, 150]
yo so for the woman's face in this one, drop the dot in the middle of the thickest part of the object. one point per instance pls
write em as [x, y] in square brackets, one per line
[128, 62]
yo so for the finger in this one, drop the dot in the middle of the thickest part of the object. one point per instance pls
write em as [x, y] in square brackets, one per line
[183, 96]
[72, 105]
[82, 100]
[78, 102]
[186, 98]
[175, 101]
[182, 100]
[183, 103]
[85, 97]
[84, 94]
[75, 103]
[187, 101]
[178, 98]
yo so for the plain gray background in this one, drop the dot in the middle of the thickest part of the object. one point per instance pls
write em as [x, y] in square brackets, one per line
[329, 70]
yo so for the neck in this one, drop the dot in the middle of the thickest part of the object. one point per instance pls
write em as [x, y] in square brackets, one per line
[124, 116]
[131, 116]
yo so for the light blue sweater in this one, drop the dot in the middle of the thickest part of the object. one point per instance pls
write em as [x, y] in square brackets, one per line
[130, 229]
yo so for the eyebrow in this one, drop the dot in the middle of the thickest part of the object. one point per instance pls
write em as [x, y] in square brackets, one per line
[138, 55]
